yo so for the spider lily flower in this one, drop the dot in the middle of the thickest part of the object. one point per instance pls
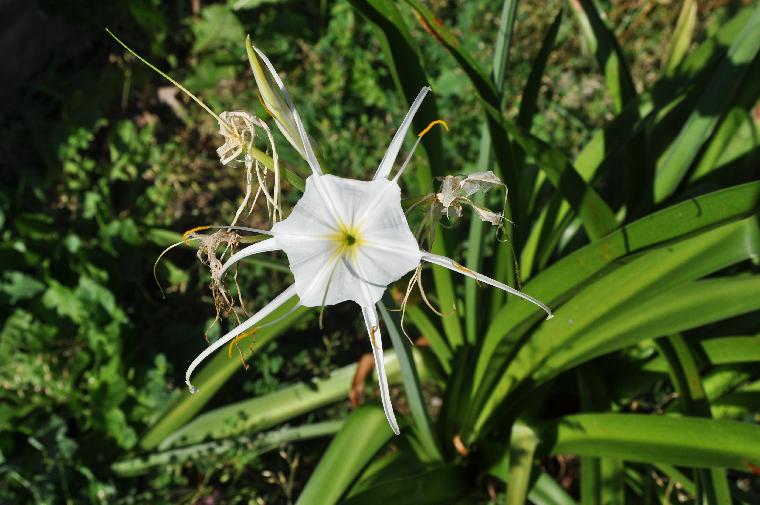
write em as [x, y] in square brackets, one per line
[345, 240]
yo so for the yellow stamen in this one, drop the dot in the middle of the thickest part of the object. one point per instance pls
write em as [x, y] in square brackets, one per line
[372, 336]
[464, 269]
[240, 337]
[432, 124]
[191, 231]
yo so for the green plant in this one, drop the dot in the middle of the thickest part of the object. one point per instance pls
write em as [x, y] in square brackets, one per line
[634, 196]
[640, 244]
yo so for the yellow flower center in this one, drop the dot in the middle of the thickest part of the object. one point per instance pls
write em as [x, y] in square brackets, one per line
[347, 239]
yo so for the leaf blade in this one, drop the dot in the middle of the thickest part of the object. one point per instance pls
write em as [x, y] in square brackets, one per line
[685, 441]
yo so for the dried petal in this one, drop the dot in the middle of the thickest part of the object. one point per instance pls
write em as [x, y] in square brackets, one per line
[487, 216]
[479, 181]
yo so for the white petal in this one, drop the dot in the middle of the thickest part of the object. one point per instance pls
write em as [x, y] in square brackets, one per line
[453, 265]
[267, 245]
[384, 170]
[264, 312]
[373, 330]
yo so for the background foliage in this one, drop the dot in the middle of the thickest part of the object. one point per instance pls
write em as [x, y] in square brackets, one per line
[628, 136]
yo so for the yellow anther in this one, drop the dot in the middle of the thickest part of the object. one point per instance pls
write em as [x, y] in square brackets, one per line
[191, 231]
[432, 124]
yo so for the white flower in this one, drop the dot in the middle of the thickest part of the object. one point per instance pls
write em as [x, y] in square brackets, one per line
[345, 239]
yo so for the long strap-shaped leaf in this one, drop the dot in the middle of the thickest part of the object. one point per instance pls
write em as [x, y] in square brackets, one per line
[682, 35]
[679, 309]
[474, 258]
[609, 147]
[685, 441]
[597, 217]
[263, 412]
[686, 380]
[572, 271]
[433, 485]
[584, 326]
[522, 446]
[675, 162]
[363, 434]
[260, 444]
[605, 47]
[411, 380]
[601, 478]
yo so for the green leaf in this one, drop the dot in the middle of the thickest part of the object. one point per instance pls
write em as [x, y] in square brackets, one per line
[529, 101]
[682, 35]
[257, 414]
[601, 479]
[730, 350]
[742, 403]
[265, 442]
[485, 163]
[597, 217]
[546, 491]
[603, 317]
[736, 136]
[444, 290]
[674, 163]
[660, 112]
[19, 286]
[522, 446]
[427, 329]
[557, 282]
[432, 486]
[679, 309]
[217, 26]
[684, 374]
[684, 441]
[605, 47]
[210, 379]
[363, 434]
[411, 381]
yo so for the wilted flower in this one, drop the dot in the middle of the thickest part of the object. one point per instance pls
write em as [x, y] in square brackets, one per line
[456, 191]
[345, 239]
[238, 128]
